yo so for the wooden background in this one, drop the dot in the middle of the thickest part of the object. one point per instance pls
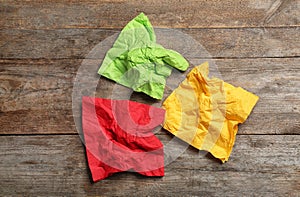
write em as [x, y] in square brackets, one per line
[256, 45]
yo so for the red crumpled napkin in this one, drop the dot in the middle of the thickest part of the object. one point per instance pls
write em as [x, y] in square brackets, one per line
[118, 137]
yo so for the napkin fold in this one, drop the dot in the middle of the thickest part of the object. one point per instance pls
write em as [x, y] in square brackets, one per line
[206, 112]
[138, 62]
[118, 137]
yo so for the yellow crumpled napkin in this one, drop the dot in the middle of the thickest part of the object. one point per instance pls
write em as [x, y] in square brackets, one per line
[206, 112]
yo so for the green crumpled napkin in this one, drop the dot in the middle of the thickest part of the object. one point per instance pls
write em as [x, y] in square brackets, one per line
[136, 61]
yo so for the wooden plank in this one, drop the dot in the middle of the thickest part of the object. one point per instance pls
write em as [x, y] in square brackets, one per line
[219, 43]
[255, 44]
[36, 95]
[263, 165]
[167, 13]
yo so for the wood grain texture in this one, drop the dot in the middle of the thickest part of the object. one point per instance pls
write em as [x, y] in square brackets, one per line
[264, 165]
[219, 43]
[254, 43]
[167, 13]
[24, 82]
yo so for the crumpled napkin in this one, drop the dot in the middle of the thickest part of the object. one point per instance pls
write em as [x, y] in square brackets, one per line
[118, 137]
[137, 62]
[206, 112]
